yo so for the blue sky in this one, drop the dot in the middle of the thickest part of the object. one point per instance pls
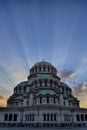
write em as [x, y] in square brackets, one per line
[53, 30]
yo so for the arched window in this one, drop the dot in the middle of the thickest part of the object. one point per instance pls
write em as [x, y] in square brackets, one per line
[48, 117]
[28, 117]
[50, 83]
[86, 117]
[78, 118]
[40, 99]
[55, 83]
[44, 117]
[48, 69]
[44, 68]
[55, 71]
[39, 68]
[6, 117]
[40, 82]
[35, 68]
[54, 117]
[25, 117]
[20, 89]
[67, 90]
[52, 69]
[82, 117]
[54, 100]
[36, 84]
[51, 117]
[64, 103]
[63, 90]
[27, 103]
[45, 82]
[10, 117]
[15, 117]
[24, 89]
[47, 99]
[32, 117]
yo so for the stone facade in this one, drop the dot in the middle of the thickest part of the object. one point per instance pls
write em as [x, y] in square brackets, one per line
[43, 100]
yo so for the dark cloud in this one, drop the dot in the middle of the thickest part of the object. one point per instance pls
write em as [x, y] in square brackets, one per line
[1, 97]
[80, 89]
[66, 74]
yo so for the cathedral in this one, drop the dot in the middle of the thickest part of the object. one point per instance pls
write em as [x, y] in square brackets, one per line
[43, 100]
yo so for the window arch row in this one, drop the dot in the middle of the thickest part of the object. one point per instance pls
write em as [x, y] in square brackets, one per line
[81, 117]
[10, 117]
[49, 117]
[44, 68]
[29, 117]
[44, 83]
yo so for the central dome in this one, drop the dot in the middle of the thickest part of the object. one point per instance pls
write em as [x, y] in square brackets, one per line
[43, 67]
[43, 63]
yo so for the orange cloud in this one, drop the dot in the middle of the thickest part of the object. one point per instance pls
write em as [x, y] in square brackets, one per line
[3, 100]
[83, 101]
[80, 91]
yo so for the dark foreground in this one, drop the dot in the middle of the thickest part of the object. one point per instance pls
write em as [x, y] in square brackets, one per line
[46, 128]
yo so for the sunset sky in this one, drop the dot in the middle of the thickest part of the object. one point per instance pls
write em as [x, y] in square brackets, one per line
[53, 30]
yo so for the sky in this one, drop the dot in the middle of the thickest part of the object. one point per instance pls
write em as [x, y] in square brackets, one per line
[53, 30]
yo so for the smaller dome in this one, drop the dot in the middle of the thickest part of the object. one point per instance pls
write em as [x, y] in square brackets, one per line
[22, 84]
[64, 85]
[45, 92]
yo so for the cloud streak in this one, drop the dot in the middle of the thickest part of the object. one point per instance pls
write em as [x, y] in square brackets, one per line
[66, 74]
[80, 89]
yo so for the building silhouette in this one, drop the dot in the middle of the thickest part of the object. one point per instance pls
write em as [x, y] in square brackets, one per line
[43, 100]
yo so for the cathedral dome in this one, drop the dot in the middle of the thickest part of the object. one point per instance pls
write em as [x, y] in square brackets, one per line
[22, 84]
[64, 85]
[42, 87]
[43, 63]
[43, 67]
[65, 88]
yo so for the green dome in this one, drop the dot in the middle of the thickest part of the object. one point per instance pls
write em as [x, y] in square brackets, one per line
[45, 92]
[41, 63]
[64, 85]
[22, 84]
[42, 76]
